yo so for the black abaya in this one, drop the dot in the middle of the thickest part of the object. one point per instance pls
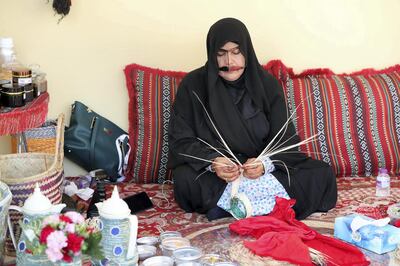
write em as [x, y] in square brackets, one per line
[312, 182]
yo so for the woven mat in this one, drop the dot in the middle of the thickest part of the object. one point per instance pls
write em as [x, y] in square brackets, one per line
[245, 257]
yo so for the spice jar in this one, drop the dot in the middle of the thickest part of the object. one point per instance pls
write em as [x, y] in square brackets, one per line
[12, 95]
[39, 83]
[22, 75]
[28, 93]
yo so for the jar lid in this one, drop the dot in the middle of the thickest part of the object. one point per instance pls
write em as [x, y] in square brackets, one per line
[12, 88]
[167, 234]
[187, 254]
[21, 72]
[147, 240]
[37, 202]
[158, 260]
[114, 207]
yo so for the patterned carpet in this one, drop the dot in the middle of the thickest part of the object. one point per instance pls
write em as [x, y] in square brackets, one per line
[356, 195]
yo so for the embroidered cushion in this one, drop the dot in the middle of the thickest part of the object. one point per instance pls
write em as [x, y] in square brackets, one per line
[151, 93]
[357, 116]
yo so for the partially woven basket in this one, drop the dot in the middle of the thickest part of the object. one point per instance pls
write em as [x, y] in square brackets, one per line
[22, 171]
[39, 139]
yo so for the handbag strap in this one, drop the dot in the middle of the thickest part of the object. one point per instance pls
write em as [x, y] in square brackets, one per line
[94, 126]
[123, 155]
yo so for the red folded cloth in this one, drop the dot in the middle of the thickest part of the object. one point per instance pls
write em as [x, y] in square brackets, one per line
[273, 243]
[282, 237]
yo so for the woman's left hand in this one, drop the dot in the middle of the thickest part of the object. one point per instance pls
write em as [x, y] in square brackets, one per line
[253, 168]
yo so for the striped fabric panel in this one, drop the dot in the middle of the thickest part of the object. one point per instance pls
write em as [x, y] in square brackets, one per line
[357, 117]
[151, 94]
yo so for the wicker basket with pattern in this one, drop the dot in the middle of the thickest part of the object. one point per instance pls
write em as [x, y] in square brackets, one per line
[40, 139]
[22, 171]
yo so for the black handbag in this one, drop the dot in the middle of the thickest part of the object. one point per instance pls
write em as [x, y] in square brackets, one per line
[94, 142]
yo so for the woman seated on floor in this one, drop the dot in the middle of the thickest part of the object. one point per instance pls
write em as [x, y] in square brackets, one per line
[248, 108]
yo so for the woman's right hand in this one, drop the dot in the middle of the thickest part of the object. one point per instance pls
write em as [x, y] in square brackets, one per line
[225, 170]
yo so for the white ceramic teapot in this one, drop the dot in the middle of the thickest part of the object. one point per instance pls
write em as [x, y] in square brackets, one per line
[119, 231]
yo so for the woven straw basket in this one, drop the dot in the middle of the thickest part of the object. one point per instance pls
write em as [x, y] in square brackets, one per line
[22, 171]
[40, 139]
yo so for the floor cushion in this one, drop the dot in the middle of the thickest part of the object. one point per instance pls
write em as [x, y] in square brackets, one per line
[356, 116]
[151, 92]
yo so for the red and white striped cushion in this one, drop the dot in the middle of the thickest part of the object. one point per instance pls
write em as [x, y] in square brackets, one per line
[357, 116]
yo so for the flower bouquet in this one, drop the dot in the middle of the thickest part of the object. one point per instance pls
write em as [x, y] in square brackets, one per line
[62, 237]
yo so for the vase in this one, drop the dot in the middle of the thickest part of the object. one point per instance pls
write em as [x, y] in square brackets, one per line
[77, 261]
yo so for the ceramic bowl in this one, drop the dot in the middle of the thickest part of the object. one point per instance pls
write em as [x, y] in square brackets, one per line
[167, 234]
[146, 251]
[147, 240]
[168, 245]
[158, 261]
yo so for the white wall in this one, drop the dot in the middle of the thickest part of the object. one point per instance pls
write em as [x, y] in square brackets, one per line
[85, 54]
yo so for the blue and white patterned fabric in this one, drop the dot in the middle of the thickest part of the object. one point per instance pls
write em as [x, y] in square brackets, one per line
[261, 192]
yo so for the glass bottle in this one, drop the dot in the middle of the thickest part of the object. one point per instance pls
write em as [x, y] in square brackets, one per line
[383, 183]
[7, 58]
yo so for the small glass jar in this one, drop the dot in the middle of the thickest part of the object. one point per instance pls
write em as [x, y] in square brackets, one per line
[21, 75]
[167, 234]
[186, 254]
[29, 94]
[39, 84]
[168, 245]
[12, 95]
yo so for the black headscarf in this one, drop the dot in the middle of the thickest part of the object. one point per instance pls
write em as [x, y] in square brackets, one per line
[188, 119]
[221, 106]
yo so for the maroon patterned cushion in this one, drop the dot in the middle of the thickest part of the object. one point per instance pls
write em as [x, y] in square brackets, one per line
[151, 93]
[357, 116]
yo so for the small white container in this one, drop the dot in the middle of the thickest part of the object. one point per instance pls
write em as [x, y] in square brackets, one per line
[147, 240]
[168, 245]
[146, 251]
[158, 261]
[187, 254]
[167, 234]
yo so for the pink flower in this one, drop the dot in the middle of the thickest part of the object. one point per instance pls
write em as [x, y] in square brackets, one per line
[70, 228]
[54, 255]
[55, 242]
[76, 218]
